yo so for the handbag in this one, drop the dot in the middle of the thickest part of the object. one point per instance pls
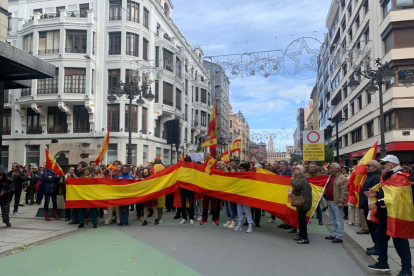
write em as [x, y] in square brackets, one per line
[298, 201]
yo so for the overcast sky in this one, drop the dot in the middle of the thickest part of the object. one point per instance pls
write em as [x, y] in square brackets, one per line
[267, 103]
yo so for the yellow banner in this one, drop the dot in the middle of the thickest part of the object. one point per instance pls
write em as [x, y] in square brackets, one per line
[313, 152]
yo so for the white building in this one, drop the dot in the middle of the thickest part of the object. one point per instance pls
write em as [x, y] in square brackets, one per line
[95, 45]
[386, 28]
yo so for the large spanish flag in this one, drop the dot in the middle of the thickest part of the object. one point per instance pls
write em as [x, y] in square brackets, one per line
[235, 146]
[398, 199]
[290, 216]
[359, 175]
[103, 148]
[51, 164]
[211, 143]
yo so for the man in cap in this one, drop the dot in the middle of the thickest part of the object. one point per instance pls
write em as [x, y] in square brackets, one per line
[392, 176]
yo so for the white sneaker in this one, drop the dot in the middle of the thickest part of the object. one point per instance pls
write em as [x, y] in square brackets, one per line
[199, 218]
[191, 221]
[106, 222]
[159, 221]
[249, 230]
[183, 221]
[227, 224]
[238, 228]
[15, 214]
[270, 221]
[232, 225]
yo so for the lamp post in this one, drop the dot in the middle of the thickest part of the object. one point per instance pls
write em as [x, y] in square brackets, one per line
[223, 141]
[131, 90]
[336, 121]
[245, 152]
[378, 77]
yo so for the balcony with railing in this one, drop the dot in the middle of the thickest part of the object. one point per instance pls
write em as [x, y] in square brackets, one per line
[48, 91]
[26, 92]
[34, 130]
[75, 50]
[157, 133]
[194, 124]
[6, 130]
[48, 51]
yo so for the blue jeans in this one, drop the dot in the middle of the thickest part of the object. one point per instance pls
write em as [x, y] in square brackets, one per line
[230, 209]
[124, 214]
[93, 212]
[74, 215]
[248, 212]
[336, 215]
[319, 212]
[47, 200]
[184, 197]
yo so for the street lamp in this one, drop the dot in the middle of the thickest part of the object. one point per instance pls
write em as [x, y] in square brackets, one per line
[378, 77]
[245, 152]
[131, 90]
[223, 141]
[336, 121]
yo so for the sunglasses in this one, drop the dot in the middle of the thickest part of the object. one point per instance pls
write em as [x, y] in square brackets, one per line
[384, 162]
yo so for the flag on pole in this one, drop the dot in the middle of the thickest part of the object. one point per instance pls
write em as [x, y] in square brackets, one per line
[182, 157]
[211, 143]
[225, 157]
[51, 164]
[209, 164]
[212, 126]
[358, 176]
[235, 146]
[325, 165]
[103, 148]
[159, 157]
[340, 163]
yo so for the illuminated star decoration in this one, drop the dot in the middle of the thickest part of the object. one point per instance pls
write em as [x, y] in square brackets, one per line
[298, 67]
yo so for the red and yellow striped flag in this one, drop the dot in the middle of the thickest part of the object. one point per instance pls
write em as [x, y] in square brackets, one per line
[153, 160]
[212, 125]
[182, 157]
[225, 156]
[51, 164]
[211, 143]
[103, 148]
[235, 146]
[358, 176]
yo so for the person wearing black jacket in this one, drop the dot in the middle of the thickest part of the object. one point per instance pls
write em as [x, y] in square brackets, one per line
[369, 227]
[35, 176]
[19, 179]
[50, 188]
[6, 193]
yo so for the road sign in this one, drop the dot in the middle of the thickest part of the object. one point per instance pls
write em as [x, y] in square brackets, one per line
[313, 146]
[298, 151]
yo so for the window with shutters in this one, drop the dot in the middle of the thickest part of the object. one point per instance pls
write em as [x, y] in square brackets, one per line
[157, 91]
[56, 120]
[113, 117]
[75, 80]
[145, 49]
[28, 43]
[114, 76]
[134, 118]
[356, 135]
[114, 43]
[144, 120]
[83, 10]
[186, 87]
[133, 11]
[203, 95]
[76, 41]
[132, 44]
[186, 112]
[33, 122]
[405, 118]
[178, 98]
[203, 118]
[81, 119]
[389, 119]
[359, 103]
[48, 86]
[196, 92]
[49, 42]
[370, 129]
[168, 94]
[7, 121]
[146, 18]
[168, 60]
[115, 10]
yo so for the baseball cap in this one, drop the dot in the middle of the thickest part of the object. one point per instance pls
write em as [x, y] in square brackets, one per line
[391, 159]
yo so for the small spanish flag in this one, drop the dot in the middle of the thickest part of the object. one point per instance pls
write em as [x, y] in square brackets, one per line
[325, 165]
[103, 148]
[225, 157]
[159, 157]
[209, 164]
[211, 143]
[235, 146]
[182, 157]
[51, 164]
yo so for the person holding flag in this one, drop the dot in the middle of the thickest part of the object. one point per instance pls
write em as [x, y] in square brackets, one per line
[395, 212]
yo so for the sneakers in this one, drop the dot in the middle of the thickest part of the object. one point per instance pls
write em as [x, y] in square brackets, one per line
[96, 226]
[156, 222]
[177, 216]
[302, 241]
[216, 223]
[249, 230]
[191, 221]
[270, 221]
[8, 224]
[203, 222]
[380, 267]
[227, 224]
[144, 223]
[405, 273]
[81, 225]
[258, 225]
[238, 228]
[15, 214]
[199, 218]
[119, 225]
[183, 221]
[126, 224]
[159, 221]
[106, 222]
[232, 225]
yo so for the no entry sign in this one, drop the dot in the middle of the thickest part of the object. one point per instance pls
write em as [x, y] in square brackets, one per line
[313, 146]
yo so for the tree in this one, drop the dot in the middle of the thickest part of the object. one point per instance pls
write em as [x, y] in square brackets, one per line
[329, 157]
[198, 148]
[295, 158]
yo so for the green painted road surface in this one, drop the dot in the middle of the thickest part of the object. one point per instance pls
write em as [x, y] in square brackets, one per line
[172, 249]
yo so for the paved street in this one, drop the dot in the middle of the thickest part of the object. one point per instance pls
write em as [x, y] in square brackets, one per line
[172, 249]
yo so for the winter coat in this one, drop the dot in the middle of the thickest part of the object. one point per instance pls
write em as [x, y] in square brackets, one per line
[308, 174]
[340, 189]
[19, 181]
[7, 186]
[301, 187]
[34, 177]
[373, 178]
[50, 185]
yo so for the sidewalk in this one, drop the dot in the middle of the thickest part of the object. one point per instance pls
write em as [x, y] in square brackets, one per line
[29, 231]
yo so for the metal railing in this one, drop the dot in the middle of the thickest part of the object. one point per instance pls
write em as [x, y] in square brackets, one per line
[48, 91]
[34, 130]
[75, 90]
[114, 52]
[115, 18]
[6, 130]
[75, 51]
[26, 92]
[48, 51]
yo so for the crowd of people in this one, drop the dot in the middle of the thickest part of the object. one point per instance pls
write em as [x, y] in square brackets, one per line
[32, 185]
